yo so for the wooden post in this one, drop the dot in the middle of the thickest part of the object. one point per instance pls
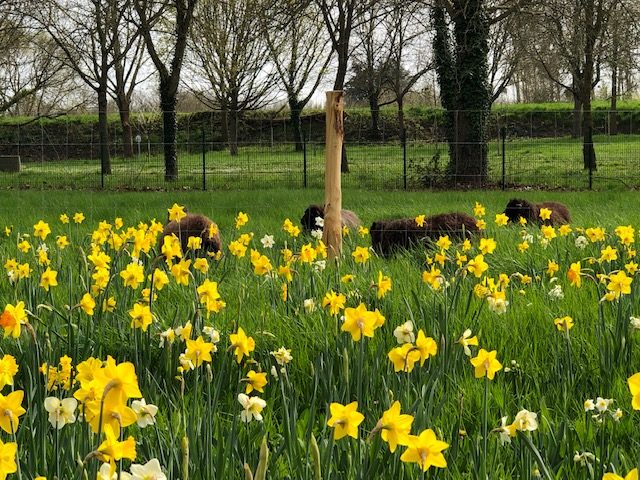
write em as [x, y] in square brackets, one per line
[332, 233]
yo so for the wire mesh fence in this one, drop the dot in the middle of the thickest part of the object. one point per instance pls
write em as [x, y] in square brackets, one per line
[523, 149]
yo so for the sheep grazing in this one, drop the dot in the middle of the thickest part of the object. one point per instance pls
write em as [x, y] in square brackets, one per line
[195, 225]
[517, 208]
[308, 220]
[404, 233]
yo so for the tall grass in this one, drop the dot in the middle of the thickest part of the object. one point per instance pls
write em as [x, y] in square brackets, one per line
[198, 431]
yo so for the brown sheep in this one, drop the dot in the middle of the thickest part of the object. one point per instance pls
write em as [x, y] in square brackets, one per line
[517, 208]
[308, 220]
[195, 225]
[390, 235]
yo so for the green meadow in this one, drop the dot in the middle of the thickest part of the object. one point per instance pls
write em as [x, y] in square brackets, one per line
[198, 431]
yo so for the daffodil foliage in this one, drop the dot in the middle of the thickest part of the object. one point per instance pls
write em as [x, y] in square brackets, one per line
[512, 354]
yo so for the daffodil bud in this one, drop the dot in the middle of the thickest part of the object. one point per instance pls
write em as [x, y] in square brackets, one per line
[247, 472]
[345, 365]
[261, 469]
[315, 458]
[209, 373]
[185, 458]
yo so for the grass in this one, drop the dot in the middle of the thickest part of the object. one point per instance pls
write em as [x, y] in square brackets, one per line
[551, 379]
[543, 163]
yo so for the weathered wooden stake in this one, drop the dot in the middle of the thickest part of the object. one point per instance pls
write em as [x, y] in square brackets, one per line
[332, 233]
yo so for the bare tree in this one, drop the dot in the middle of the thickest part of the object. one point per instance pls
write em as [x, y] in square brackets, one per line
[298, 46]
[165, 26]
[127, 64]
[372, 58]
[85, 32]
[341, 17]
[406, 35]
[234, 58]
[577, 29]
[28, 64]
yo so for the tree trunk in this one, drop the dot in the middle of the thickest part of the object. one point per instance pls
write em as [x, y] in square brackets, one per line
[127, 132]
[473, 100]
[588, 151]
[103, 129]
[232, 128]
[169, 134]
[446, 73]
[577, 116]
[376, 133]
[296, 124]
[341, 73]
[613, 115]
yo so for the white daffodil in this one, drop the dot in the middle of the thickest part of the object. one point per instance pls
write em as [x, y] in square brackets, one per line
[556, 293]
[252, 407]
[589, 405]
[282, 356]
[465, 340]
[526, 421]
[267, 241]
[212, 333]
[635, 323]
[149, 471]
[317, 234]
[309, 305]
[582, 242]
[107, 472]
[602, 404]
[146, 413]
[319, 222]
[62, 412]
[617, 415]
[497, 305]
[404, 333]
[503, 431]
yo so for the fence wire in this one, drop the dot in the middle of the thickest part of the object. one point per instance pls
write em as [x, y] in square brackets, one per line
[523, 149]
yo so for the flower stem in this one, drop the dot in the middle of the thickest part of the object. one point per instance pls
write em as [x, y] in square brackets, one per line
[485, 401]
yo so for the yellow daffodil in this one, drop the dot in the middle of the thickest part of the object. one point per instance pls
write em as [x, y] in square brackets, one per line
[477, 266]
[8, 453]
[255, 381]
[545, 214]
[11, 410]
[335, 302]
[486, 364]
[132, 275]
[501, 219]
[41, 230]
[361, 254]
[573, 274]
[345, 420]
[199, 351]
[394, 427]
[358, 322]
[564, 324]
[241, 219]
[619, 283]
[241, 344]
[425, 450]
[487, 246]
[8, 370]
[383, 286]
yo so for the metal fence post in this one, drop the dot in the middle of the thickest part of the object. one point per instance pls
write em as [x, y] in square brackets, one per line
[503, 136]
[304, 161]
[204, 163]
